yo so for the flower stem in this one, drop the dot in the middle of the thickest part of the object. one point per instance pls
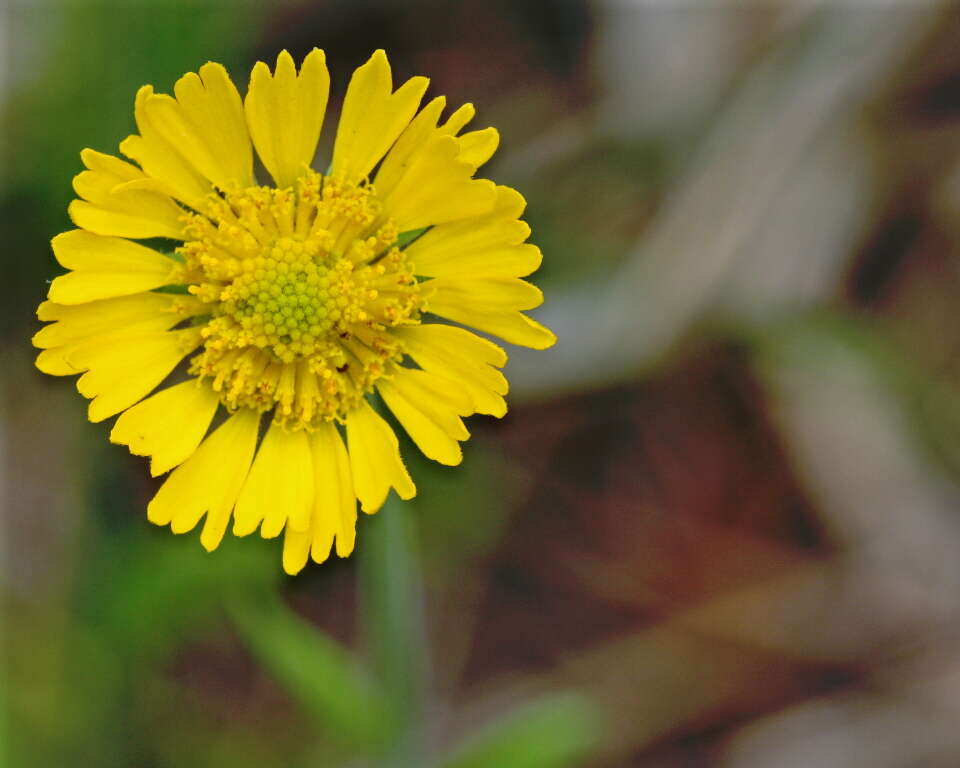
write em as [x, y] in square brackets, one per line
[392, 624]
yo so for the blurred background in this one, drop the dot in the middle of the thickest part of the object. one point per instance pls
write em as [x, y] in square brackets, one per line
[718, 527]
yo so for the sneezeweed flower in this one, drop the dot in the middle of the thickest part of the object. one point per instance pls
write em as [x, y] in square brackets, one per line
[276, 314]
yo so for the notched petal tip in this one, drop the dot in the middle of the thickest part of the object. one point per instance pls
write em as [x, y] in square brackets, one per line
[143, 92]
[217, 67]
[259, 71]
[316, 59]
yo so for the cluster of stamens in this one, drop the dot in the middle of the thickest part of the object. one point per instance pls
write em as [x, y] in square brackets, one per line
[302, 286]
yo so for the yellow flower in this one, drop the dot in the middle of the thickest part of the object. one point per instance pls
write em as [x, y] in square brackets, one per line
[289, 306]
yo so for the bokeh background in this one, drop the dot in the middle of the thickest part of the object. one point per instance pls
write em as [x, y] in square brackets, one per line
[720, 525]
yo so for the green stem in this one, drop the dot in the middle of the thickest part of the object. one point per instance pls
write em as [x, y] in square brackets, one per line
[391, 615]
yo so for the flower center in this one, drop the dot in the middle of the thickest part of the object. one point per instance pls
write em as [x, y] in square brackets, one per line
[302, 285]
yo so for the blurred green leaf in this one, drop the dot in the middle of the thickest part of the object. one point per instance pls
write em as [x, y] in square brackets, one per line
[183, 585]
[121, 47]
[551, 732]
[317, 671]
[482, 485]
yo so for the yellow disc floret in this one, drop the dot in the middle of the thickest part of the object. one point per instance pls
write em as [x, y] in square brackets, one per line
[301, 285]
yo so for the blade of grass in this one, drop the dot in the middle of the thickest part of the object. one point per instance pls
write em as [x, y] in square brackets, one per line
[328, 682]
[554, 731]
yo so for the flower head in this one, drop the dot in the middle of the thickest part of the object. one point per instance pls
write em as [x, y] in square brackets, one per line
[276, 313]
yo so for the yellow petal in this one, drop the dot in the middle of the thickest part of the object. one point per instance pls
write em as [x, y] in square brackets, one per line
[83, 324]
[477, 147]
[296, 550]
[375, 461]
[81, 287]
[206, 124]
[135, 313]
[109, 207]
[105, 267]
[429, 410]
[373, 117]
[437, 188]
[429, 393]
[279, 490]
[175, 126]
[110, 167]
[208, 481]
[167, 426]
[81, 250]
[455, 123]
[429, 437]
[506, 261]
[455, 343]
[335, 510]
[490, 305]
[54, 361]
[160, 159]
[511, 326]
[124, 215]
[463, 357]
[446, 245]
[285, 113]
[485, 293]
[416, 140]
[59, 361]
[411, 141]
[123, 369]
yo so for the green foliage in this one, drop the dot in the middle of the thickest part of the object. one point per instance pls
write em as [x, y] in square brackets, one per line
[554, 731]
[322, 676]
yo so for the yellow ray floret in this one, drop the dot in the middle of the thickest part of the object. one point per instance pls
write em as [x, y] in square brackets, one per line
[147, 429]
[209, 481]
[104, 267]
[373, 117]
[117, 200]
[429, 409]
[206, 124]
[279, 489]
[292, 318]
[285, 114]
